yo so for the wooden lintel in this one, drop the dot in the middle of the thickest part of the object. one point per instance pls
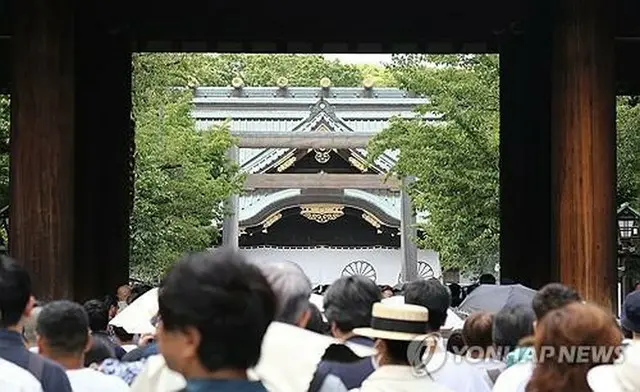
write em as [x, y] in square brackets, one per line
[302, 140]
[320, 181]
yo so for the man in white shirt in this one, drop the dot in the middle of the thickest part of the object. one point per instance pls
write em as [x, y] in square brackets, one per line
[450, 370]
[64, 337]
[551, 297]
[13, 378]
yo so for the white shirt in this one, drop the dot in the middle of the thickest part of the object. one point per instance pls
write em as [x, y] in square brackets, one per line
[454, 371]
[13, 378]
[515, 378]
[393, 378]
[89, 380]
[129, 347]
[486, 365]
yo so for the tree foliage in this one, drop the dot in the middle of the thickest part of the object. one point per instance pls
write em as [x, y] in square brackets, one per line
[455, 158]
[5, 117]
[182, 175]
[628, 131]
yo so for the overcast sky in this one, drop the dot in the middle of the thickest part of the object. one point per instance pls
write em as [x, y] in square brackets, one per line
[350, 58]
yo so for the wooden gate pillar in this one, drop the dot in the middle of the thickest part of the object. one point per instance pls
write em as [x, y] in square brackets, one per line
[525, 173]
[42, 144]
[104, 150]
[583, 148]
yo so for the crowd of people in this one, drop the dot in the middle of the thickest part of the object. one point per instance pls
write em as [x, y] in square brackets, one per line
[226, 324]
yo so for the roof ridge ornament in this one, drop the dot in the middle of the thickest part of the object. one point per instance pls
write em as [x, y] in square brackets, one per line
[325, 83]
[322, 106]
[282, 82]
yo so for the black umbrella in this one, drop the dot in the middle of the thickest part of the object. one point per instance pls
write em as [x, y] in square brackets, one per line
[492, 298]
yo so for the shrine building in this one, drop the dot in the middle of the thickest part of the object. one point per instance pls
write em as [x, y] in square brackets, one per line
[67, 66]
[327, 209]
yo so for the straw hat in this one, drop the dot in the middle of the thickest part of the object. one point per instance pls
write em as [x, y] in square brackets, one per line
[623, 376]
[396, 322]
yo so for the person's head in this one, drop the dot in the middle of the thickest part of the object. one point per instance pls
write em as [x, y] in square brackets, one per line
[99, 350]
[568, 342]
[398, 333]
[387, 291]
[456, 294]
[29, 329]
[434, 296]
[551, 297]
[487, 279]
[16, 299]
[510, 325]
[316, 323]
[98, 313]
[122, 335]
[63, 333]
[477, 333]
[348, 303]
[455, 343]
[137, 291]
[215, 308]
[292, 289]
[630, 319]
[123, 293]
[111, 303]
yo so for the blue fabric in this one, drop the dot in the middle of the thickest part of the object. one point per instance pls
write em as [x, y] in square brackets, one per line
[519, 355]
[128, 371]
[208, 385]
[151, 349]
[352, 374]
[53, 377]
[118, 351]
[141, 353]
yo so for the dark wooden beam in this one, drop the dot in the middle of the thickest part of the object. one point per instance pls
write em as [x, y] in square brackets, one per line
[525, 158]
[583, 145]
[302, 140]
[320, 181]
[104, 167]
[41, 233]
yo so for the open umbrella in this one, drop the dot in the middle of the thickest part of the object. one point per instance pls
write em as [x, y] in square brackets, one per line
[136, 318]
[492, 298]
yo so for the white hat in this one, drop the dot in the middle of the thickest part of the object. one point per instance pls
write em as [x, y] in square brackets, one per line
[623, 376]
[396, 322]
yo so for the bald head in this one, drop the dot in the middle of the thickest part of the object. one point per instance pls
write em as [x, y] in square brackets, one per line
[123, 293]
[292, 289]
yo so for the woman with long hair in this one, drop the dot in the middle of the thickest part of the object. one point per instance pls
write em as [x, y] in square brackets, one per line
[569, 342]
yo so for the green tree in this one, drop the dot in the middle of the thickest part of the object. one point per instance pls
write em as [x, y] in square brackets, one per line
[182, 175]
[454, 159]
[266, 69]
[381, 76]
[5, 117]
[628, 132]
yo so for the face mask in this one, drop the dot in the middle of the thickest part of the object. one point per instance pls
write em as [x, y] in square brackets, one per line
[122, 305]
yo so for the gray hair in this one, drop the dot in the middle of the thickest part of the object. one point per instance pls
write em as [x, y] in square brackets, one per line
[292, 288]
[29, 328]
